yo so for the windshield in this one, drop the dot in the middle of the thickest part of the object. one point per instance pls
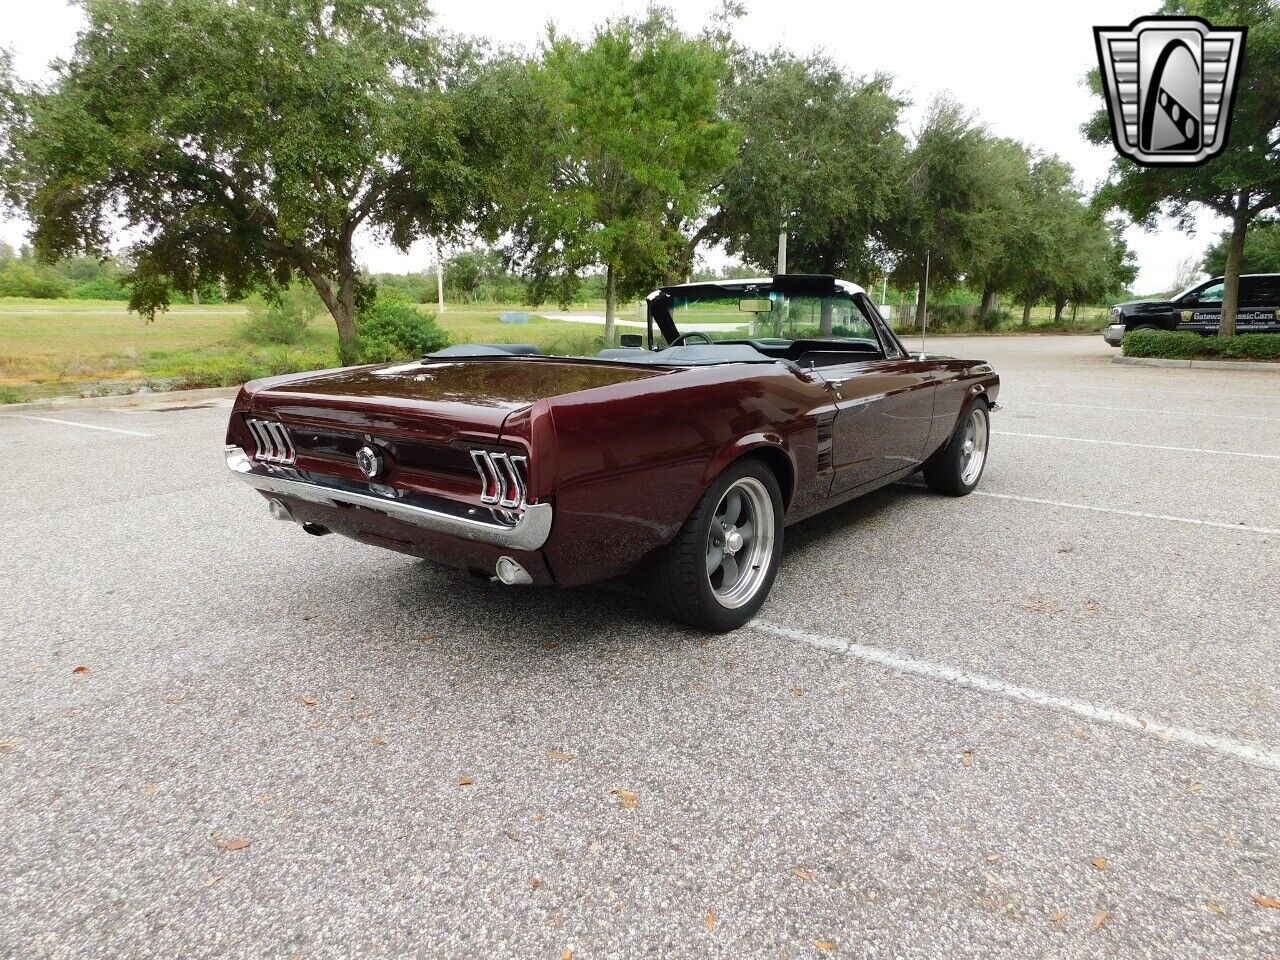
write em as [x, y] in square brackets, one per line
[745, 314]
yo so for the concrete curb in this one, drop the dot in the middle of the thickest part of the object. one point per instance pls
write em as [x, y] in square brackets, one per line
[1255, 365]
[123, 401]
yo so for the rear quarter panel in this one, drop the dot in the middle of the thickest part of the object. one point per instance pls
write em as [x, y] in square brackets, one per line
[630, 462]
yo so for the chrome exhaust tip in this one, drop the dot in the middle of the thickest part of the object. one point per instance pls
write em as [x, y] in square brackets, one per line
[511, 573]
[279, 511]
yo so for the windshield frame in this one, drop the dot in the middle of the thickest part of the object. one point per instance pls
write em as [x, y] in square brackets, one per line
[658, 310]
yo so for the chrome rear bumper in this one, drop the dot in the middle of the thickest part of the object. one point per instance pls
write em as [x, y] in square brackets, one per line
[529, 531]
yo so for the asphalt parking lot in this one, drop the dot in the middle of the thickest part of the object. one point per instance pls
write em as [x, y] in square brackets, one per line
[1043, 721]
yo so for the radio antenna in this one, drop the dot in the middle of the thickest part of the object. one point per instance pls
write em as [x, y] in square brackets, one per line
[924, 321]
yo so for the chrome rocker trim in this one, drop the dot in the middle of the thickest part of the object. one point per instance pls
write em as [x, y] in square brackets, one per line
[529, 532]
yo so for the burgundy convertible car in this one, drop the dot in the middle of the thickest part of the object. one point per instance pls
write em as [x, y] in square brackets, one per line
[682, 455]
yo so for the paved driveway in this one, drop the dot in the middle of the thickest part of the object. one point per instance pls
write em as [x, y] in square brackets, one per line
[1039, 722]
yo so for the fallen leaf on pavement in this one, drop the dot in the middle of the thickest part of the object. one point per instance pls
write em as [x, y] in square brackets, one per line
[798, 691]
[566, 954]
[306, 700]
[535, 882]
[1265, 901]
[1058, 917]
[1195, 786]
[967, 758]
[549, 644]
[595, 846]
[1215, 907]
[378, 742]
[804, 874]
[626, 798]
[711, 920]
[1100, 918]
[150, 789]
[80, 669]
[239, 843]
[1079, 733]
[174, 697]
[992, 857]
[560, 755]
[7, 746]
[826, 946]
[465, 781]
[215, 878]
[1099, 862]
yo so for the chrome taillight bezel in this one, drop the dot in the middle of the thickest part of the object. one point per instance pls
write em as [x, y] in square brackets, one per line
[502, 478]
[271, 441]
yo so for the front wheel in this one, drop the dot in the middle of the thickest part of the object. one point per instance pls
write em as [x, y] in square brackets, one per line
[956, 469]
[719, 569]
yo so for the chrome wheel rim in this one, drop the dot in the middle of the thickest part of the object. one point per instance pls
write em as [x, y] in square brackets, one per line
[740, 543]
[973, 446]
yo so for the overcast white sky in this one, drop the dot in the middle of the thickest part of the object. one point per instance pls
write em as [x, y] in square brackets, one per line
[1020, 65]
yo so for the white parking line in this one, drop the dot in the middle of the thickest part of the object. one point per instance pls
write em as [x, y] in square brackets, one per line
[1011, 691]
[1144, 446]
[1120, 408]
[85, 426]
[1131, 513]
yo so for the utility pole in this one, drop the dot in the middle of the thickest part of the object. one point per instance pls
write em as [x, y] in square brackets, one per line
[782, 251]
[440, 275]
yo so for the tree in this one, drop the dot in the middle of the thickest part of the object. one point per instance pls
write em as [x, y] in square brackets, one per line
[248, 143]
[1261, 252]
[1243, 182]
[632, 141]
[819, 156]
[952, 202]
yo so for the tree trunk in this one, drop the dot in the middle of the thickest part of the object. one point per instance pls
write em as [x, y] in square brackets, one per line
[1235, 255]
[984, 310]
[343, 311]
[1026, 312]
[826, 321]
[1059, 304]
[610, 304]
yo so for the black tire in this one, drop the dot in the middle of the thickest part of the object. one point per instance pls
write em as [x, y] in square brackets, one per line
[681, 582]
[949, 471]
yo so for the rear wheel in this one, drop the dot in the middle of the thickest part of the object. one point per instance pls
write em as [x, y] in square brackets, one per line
[719, 569]
[956, 469]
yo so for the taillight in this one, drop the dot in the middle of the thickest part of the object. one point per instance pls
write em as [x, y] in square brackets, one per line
[502, 478]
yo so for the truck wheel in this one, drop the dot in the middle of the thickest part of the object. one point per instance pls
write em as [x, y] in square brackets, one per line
[956, 469]
[719, 569]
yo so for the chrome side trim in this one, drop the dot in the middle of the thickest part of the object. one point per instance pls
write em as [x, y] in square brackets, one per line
[529, 531]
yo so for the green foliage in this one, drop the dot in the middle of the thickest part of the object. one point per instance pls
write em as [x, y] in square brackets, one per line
[631, 141]
[194, 369]
[283, 318]
[22, 278]
[100, 288]
[394, 329]
[248, 142]
[8, 395]
[1185, 345]
[1261, 251]
[821, 153]
[954, 199]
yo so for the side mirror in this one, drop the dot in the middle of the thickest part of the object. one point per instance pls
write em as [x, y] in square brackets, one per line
[631, 340]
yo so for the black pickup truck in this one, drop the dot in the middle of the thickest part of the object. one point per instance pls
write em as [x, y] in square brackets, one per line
[1199, 309]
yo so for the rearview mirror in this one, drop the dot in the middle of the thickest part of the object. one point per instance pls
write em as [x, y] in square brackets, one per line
[631, 340]
[755, 306]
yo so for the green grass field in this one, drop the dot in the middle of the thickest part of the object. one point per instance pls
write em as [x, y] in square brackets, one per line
[71, 347]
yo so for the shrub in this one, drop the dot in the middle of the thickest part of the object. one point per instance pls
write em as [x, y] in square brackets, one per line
[997, 317]
[9, 395]
[283, 319]
[1185, 345]
[100, 288]
[394, 329]
[19, 279]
